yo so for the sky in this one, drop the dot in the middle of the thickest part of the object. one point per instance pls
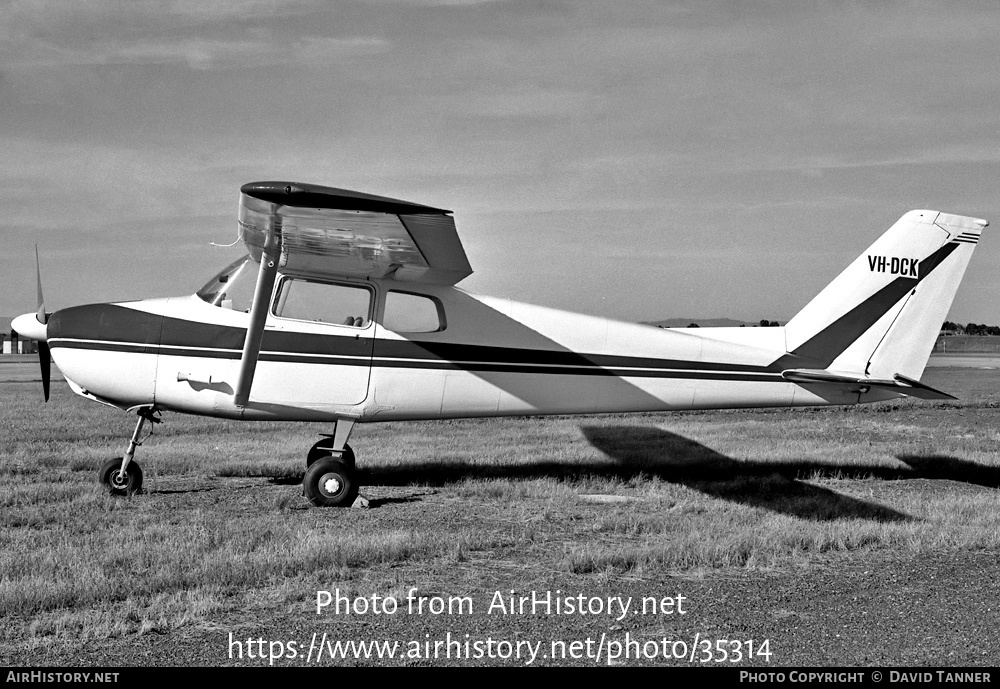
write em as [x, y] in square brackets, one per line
[636, 160]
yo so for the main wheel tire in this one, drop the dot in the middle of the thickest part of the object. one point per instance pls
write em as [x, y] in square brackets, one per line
[330, 483]
[323, 449]
[129, 484]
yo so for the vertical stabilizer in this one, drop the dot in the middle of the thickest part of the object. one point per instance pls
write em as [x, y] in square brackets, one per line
[881, 316]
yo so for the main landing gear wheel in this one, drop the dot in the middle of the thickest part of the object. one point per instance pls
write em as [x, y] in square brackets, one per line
[330, 483]
[118, 483]
[323, 449]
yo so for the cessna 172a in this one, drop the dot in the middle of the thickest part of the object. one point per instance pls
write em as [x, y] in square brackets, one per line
[345, 310]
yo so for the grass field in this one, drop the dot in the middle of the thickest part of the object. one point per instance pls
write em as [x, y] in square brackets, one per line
[223, 539]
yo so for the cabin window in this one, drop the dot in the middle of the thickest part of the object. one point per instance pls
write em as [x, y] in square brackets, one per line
[412, 313]
[322, 302]
[233, 287]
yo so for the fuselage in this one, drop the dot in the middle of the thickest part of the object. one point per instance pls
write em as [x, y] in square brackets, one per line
[409, 351]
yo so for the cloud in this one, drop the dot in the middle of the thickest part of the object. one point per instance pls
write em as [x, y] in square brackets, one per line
[203, 53]
[199, 35]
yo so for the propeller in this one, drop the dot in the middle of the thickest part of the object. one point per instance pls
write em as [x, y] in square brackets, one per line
[44, 356]
[34, 326]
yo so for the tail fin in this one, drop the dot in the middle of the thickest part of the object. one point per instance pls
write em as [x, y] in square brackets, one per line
[880, 317]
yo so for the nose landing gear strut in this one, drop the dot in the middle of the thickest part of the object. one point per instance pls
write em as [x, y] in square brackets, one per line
[124, 476]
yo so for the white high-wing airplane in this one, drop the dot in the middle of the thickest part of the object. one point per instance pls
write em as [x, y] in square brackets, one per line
[345, 310]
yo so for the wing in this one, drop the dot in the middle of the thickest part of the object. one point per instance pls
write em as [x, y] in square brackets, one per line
[334, 232]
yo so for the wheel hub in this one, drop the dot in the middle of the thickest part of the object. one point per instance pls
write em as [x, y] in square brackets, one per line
[119, 479]
[330, 484]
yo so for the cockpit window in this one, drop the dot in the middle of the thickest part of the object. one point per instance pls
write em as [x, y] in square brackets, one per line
[322, 302]
[412, 313]
[233, 287]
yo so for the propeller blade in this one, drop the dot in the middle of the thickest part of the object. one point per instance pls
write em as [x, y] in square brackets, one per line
[45, 359]
[40, 314]
[44, 356]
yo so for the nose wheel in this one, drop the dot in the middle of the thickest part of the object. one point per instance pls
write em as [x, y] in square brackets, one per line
[118, 482]
[124, 476]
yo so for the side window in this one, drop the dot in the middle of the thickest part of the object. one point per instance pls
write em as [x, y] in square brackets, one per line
[322, 302]
[412, 313]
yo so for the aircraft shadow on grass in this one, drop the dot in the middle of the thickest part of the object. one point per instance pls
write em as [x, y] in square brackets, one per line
[777, 487]
[643, 451]
[639, 444]
[180, 492]
[652, 452]
[774, 487]
[951, 469]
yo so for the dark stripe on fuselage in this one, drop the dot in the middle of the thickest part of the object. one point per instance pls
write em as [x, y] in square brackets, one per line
[126, 347]
[451, 351]
[108, 327]
[437, 364]
[111, 323]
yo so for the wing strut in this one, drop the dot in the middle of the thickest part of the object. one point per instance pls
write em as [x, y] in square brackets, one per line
[258, 313]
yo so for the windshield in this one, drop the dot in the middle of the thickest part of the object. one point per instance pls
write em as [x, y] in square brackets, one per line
[232, 288]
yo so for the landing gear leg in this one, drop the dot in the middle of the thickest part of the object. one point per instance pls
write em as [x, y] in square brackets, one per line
[331, 477]
[324, 449]
[124, 476]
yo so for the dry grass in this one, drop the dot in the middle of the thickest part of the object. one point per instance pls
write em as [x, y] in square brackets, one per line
[224, 527]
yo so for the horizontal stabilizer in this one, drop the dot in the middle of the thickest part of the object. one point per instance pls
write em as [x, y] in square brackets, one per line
[900, 384]
[918, 389]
